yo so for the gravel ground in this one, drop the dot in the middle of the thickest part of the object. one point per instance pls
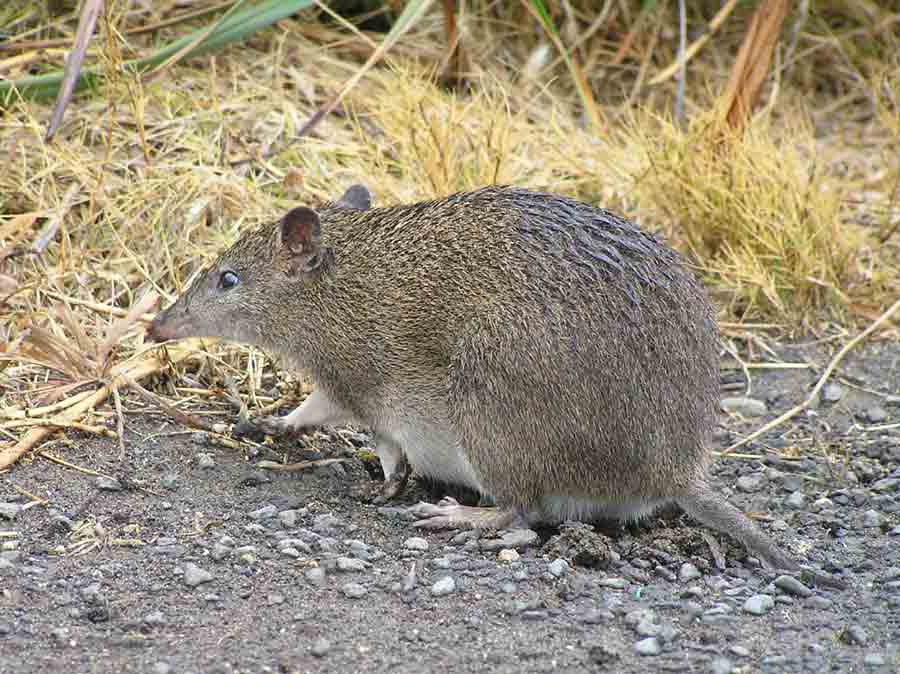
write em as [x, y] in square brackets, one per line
[192, 559]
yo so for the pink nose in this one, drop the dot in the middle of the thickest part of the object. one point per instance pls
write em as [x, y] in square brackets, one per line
[157, 330]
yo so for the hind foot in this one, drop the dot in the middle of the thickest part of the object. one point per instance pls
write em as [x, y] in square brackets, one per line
[396, 483]
[449, 514]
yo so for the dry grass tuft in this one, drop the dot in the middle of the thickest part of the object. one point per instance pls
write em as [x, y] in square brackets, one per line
[757, 210]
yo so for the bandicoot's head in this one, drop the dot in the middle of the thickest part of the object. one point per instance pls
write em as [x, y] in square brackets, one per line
[236, 298]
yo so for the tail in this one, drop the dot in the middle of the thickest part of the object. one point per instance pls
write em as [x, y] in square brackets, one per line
[711, 509]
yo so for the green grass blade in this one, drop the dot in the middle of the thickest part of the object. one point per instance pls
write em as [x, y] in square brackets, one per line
[232, 28]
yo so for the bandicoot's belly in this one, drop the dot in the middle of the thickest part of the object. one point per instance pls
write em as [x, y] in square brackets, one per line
[435, 453]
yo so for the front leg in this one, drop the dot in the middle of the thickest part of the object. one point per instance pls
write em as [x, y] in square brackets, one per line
[317, 410]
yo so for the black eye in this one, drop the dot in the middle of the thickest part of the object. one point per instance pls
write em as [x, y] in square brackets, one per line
[228, 280]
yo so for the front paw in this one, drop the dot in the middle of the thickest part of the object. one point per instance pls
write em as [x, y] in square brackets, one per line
[276, 427]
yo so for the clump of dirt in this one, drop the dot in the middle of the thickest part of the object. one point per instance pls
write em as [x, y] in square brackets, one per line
[581, 544]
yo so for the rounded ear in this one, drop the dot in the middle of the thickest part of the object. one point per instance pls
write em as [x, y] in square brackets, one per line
[301, 235]
[356, 197]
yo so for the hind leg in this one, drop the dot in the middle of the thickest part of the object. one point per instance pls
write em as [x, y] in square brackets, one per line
[449, 514]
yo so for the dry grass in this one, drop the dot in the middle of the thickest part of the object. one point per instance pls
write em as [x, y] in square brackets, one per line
[795, 221]
[759, 211]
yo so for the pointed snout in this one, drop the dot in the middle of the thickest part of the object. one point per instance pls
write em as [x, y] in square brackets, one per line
[165, 327]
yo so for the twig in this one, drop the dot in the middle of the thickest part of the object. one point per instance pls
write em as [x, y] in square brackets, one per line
[791, 413]
[120, 421]
[58, 424]
[295, 467]
[682, 69]
[697, 45]
[52, 226]
[752, 62]
[183, 418]
[98, 307]
[44, 454]
[34, 497]
[89, 12]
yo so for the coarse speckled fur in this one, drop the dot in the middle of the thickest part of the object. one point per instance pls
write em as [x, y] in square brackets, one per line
[547, 353]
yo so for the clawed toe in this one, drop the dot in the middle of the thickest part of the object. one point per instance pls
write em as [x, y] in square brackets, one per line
[445, 514]
[274, 426]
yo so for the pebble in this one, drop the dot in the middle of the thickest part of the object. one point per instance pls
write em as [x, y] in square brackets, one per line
[325, 523]
[288, 518]
[615, 583]
[320, 647]
[444, 586]
[7, 568]
[792, 586]
[264, 513]
[663, 572]
[246, 554]
[871, 519]
[219, 552]
[295, 543]
[10, 510]
[796, 500]
[688, 572]
[692, 608]
[169, 481]
[512, 538]
[752, 483]
[508, 555]
[595, 616]
[876, 414]
[206, 461]
[633, 618]
[721, 666]
[107, 483]
[315, 575]
[821, 603]
[874, 659]
[416, 543]
[154, 618]
[162, 668]
[748, 407]
[354, 590]
[832, 393]
[194, 575]
[821, 504]
[558, 567]
[740, 651]
[347, 564]
[855, 634]
[885, 484]
[648, 646]
[759, 604]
